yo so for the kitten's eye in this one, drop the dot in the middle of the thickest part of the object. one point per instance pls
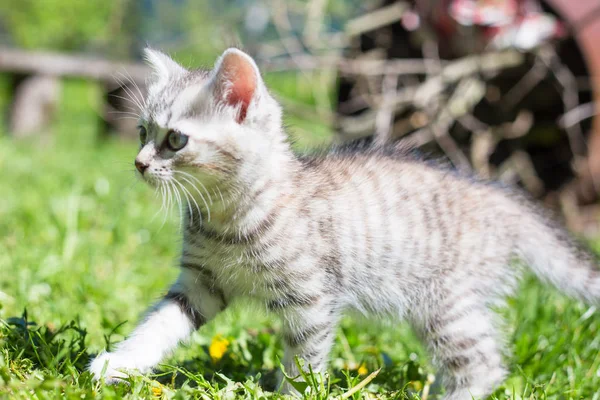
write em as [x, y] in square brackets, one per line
[143, 134]
[176, 141]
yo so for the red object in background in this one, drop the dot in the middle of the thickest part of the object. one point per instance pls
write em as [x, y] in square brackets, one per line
[503, 24]
[483, 12]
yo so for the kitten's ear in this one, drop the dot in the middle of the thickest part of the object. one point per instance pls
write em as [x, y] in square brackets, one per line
[236, 80]
[162, 65]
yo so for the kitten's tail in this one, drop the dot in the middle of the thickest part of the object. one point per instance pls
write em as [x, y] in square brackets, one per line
[555, 256]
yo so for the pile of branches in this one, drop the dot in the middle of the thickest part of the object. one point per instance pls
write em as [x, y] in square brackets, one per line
[433, 106]
[518, 115]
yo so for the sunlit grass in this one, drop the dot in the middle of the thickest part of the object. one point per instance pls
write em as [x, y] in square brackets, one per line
[81, 252]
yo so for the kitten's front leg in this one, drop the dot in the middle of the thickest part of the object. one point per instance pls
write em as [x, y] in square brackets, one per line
[168, 323]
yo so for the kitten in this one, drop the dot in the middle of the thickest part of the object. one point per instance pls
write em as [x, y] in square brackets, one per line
[374, 230]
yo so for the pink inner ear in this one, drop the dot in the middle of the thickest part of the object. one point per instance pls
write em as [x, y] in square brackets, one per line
[241, 77]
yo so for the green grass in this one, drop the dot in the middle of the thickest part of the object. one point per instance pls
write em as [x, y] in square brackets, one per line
[81, 253]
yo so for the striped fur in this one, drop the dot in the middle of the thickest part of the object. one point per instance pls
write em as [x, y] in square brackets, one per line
[371, 229]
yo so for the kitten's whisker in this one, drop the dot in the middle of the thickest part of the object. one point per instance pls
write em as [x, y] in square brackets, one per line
[132, 98]
[221, 196]
[123, 85]
[132, 109]
[122, 118]
[129, 79]
[162, 197]
[189, 175]
[168, 208]
[133, 113]
[125, 191]
[185, 193]
[207, 192]
[163, 194]
[135, 85]
[174, 203]
[119, 112]
[200, 193]
[126, 112]
[201, 184]
[129, 92]
[116, 162]
[192, 198]
[179, 205]
[201, 196]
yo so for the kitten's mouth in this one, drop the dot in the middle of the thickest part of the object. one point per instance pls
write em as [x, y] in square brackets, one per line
[150, 179]
[156, 178]
[154, 181]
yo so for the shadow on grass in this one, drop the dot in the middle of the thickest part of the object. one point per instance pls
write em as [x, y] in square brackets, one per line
[57, 350]
[400, 381]
[62, 352]
[198, 370]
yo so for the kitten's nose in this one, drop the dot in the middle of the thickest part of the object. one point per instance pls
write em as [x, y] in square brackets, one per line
[141, 166]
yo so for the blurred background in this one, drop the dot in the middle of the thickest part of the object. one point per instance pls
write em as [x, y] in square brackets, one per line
[504, 89]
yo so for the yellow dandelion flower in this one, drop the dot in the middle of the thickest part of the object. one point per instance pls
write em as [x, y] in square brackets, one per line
[218, 347]
[157, 391]
[362, 369]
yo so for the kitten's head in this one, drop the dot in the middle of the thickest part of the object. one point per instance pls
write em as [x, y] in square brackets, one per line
[205, 123]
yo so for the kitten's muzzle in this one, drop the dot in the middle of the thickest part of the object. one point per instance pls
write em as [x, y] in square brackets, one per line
[141, 166]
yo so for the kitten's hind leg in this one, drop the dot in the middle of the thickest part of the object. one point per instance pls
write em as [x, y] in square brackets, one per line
[466, 347]
[308, 333]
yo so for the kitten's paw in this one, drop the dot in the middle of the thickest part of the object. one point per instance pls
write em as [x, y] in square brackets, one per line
[108, 366]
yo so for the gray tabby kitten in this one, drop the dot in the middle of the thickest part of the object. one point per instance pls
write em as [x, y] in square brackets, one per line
[379, 232]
